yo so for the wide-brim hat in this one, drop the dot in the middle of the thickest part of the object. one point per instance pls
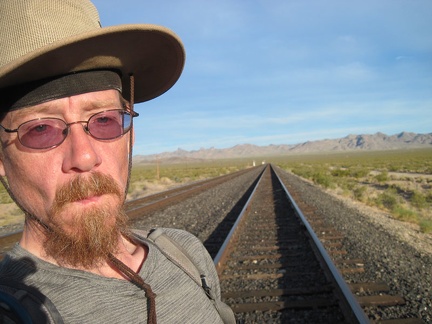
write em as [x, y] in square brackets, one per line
[47, 38]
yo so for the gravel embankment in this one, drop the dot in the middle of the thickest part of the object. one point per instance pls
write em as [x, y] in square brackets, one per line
[394, 252]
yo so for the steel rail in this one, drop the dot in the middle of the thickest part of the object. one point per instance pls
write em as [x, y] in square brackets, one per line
[224, 251]
[346, 293]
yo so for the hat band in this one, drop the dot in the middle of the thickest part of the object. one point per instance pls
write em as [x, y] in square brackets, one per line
[37, 92]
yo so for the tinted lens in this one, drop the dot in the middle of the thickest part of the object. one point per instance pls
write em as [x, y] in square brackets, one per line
[42, 133]
[109, 124]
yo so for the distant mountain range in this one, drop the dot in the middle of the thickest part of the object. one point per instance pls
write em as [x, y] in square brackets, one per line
[378, 141]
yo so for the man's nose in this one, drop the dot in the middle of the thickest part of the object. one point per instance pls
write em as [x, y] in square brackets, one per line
[80, 149]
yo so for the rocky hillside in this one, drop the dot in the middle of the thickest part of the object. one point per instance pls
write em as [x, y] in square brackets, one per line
[378, 141]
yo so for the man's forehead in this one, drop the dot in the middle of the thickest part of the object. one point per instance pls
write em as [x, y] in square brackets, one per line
[105, 99]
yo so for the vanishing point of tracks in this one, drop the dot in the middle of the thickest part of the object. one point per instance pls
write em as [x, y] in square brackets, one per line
[277, 270]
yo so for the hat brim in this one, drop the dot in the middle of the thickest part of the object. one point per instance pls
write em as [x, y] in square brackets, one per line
[153, 54]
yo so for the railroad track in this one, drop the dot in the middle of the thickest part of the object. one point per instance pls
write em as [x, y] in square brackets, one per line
[274, 268]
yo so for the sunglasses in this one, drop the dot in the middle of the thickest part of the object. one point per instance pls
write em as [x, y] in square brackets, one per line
[44, 133]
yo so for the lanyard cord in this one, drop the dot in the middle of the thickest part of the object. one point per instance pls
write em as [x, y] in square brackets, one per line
[132, 95]
[139, 282]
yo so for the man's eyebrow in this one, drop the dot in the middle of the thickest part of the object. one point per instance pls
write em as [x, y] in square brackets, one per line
[50, 108]
[104, 103]
[43, 108]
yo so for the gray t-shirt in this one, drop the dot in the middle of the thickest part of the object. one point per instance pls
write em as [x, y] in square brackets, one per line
[83, 297]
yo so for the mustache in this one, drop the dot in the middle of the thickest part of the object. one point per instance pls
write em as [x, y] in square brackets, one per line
[79, 188]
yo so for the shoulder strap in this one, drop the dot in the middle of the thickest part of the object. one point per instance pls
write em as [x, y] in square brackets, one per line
[180, 257]
[175, 253]
[11, 311]
[26, 303]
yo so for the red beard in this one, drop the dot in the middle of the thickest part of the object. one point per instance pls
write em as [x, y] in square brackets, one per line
[92, 235]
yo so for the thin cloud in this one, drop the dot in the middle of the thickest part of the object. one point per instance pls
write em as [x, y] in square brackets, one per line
[275, 71]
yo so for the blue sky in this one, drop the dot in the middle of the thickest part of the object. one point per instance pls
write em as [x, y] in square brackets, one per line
[286, 71]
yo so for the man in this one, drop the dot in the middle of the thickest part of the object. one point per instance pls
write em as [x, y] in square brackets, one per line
[67, 92]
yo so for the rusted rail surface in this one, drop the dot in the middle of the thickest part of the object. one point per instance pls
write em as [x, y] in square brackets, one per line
[272, 262]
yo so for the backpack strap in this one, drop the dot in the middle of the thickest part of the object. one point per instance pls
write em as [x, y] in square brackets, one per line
[180, 257]
[26, 304]
[11, 310]
[175, 253]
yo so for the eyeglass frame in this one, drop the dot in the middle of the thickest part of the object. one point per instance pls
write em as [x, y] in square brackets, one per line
[132, 114]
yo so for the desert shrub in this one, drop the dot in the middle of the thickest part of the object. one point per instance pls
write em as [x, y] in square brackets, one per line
[340, 173]
[418, 200]
[359, 192]
[322, 179]
[345, 183]
[425, 225]
[387, 199]
[351, 185]
[359, 173]
[393, 168]
[303, 172]
[382, 177]
[428, 197]
[404, 214]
